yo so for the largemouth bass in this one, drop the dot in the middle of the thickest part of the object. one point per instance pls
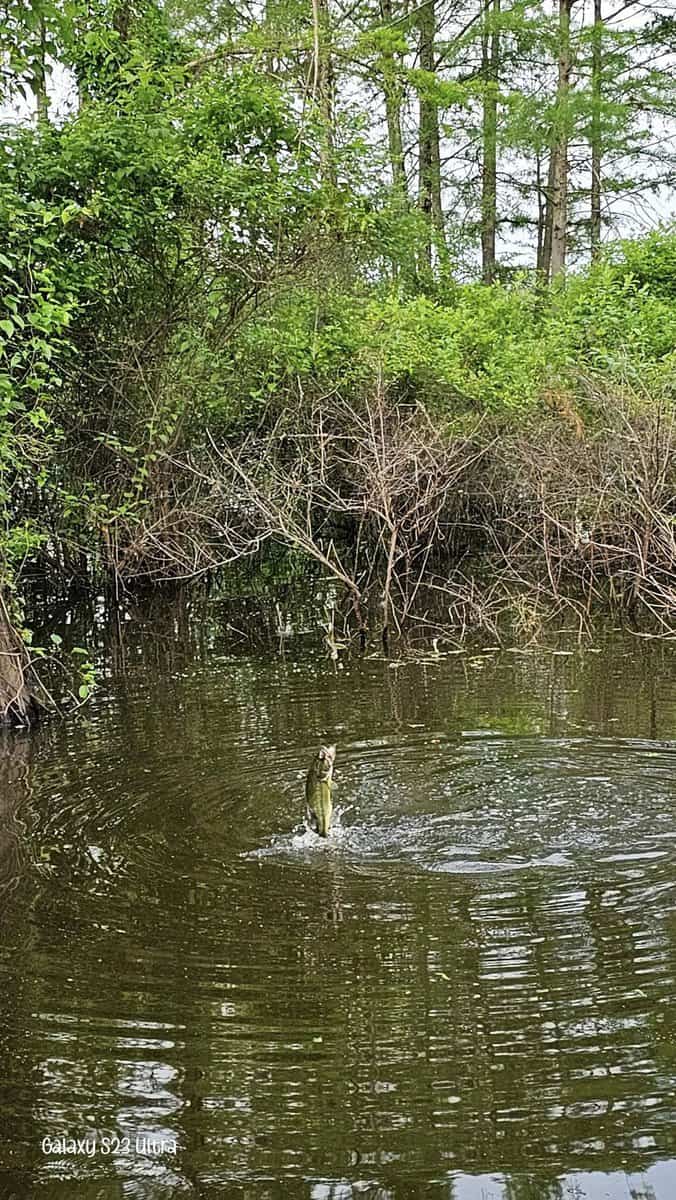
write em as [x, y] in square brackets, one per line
[318, 787]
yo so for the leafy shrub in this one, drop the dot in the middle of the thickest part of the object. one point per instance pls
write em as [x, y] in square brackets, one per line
[649, 262]
[499, 349]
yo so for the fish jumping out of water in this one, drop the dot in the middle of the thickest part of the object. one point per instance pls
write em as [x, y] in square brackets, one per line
[318, 787]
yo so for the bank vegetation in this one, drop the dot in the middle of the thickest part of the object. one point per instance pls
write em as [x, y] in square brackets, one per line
[344, 283]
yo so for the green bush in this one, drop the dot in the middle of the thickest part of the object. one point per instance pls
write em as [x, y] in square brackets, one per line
[497, 349]
[649, 262]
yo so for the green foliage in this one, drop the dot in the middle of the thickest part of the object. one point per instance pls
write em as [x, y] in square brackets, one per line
[610, 322]
[153, 220]
[175, 266]
[29, 31]
[497, 349]
[36, 306]
[72, 674]
[115, 45]
[648, 262]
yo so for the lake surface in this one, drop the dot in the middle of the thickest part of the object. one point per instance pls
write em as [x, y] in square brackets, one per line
[467, 991]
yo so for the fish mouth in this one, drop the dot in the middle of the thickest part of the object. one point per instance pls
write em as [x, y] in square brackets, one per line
[327, 754]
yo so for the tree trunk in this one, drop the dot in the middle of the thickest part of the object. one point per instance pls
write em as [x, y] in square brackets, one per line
[559, 178]
[542, 216]
[122, 18]
[268, 26]
[546, 262]
[595, 214]
[393, 97]
[39, 79]
[490, 45]
[19, 704]
[429, 170]
[323, 89]
[437, 209]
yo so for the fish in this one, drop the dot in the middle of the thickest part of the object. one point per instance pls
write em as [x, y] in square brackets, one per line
[318, 788]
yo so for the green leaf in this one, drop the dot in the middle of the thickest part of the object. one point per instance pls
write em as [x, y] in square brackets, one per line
[83, 691]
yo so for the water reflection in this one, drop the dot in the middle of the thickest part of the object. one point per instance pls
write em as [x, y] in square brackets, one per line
[467, 993]
[15, 791]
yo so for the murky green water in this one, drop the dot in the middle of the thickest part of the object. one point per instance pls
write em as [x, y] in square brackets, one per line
[468, 992]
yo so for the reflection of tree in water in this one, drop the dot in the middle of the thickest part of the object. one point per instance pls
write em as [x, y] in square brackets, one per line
[14, 793]
[573, 1186]
[343, 1189]
[527, 1187]
[17, 961]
